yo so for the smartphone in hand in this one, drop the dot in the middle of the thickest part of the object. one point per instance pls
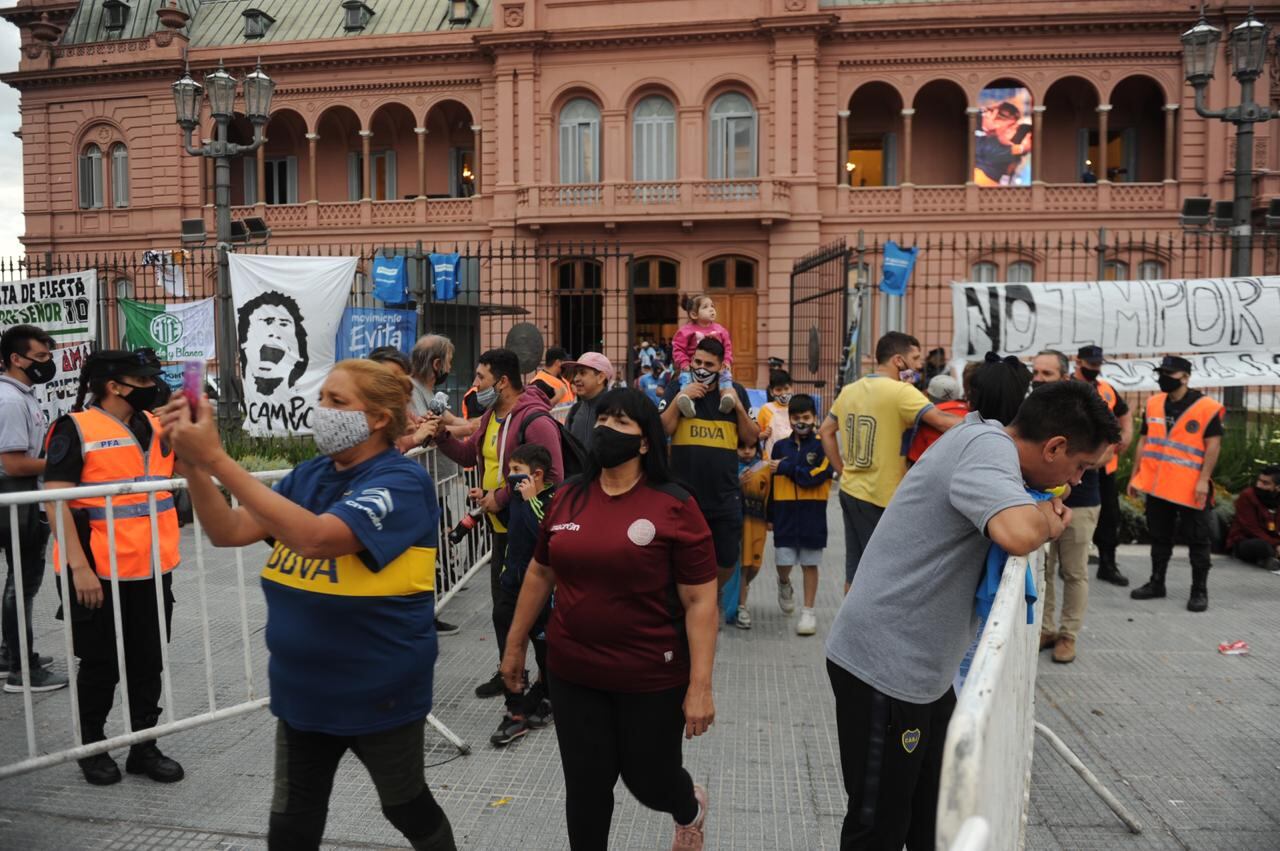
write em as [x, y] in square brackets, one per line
[193, 373]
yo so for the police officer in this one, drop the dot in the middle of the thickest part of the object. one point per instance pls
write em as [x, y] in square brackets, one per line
[1177, 451]
[116, 439]
[1089, 361]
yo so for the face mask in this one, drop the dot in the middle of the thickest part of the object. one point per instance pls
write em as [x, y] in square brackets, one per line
[911, 376]
[611, 448]
[783, 398]
[1090, 375]
[802, 429]
[337, 431]
[41, 372]
[1268, 498]
[1035, 384]
[514, 482]
[1168, 383]
[486, 397]
[704, 376]
[143, 398]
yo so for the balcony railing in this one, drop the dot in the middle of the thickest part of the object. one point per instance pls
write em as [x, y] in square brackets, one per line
[721, 198]
[349, 214]
[1012, 200]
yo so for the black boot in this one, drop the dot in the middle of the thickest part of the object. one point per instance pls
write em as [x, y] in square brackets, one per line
[440, 840]
[1107, 570]
[100, 769]
[1199, 600]
[1152, 590]
[147, 759]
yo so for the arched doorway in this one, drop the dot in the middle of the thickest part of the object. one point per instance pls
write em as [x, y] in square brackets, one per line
[339, 132]
[733, 282]
[655, 286]
[286, 160]
[450, 151]
[939, 155]
[580, 293]
[393, 158]
[1070, 127]
[1135, 135]
[874, 153]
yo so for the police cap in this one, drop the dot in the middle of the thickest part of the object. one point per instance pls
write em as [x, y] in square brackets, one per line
[1090, 354]
[118, 363]
[1173, 363]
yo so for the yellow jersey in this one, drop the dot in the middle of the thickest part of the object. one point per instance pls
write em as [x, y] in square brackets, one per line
[877, 417]
[756, 481]
[493, 465]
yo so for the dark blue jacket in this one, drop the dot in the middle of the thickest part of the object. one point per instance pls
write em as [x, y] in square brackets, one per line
[798, 500]
[523, 526]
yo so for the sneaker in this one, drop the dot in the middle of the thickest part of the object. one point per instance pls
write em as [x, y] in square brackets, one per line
[786, 598]
[727, 403]
[445, 628]
[492, 687]
[147, 759]
[743, 620]
[1151, 591]
[1199, 600]
[41, 661]
[541, 716]
[510, 728]
[42, 679]
[1064, 652]
[99, 769]
[808, 624]
[690, 837]
[685, 405]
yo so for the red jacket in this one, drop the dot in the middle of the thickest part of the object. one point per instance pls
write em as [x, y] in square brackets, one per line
[925, 435]
[543, 431]
[1253, 520]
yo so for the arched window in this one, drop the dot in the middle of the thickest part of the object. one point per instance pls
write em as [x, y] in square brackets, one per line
[119, 175]
[91, 180]
[732, 154]
[1150, 270]
[653, 142]
[1020, 272]
[1115, 270]
[580, 142]
[984, 272]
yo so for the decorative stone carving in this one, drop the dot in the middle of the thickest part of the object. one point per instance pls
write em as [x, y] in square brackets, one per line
[171, 17]
[44, 30]
[795, 5]
[513, 15]
[163, 38]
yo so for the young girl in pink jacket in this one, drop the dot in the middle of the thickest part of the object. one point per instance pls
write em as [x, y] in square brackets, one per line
[702, 324]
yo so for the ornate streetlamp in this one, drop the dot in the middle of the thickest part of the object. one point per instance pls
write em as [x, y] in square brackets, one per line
[188, 96]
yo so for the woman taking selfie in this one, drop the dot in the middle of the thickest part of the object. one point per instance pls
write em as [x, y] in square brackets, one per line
[632, 634]
[350, 597]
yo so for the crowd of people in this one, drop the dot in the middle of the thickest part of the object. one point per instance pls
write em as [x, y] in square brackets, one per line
[614, 533]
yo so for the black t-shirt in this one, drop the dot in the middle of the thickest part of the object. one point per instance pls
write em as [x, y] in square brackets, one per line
[1086, 494]
[704, 454]
[65, 456]
[1173, 410]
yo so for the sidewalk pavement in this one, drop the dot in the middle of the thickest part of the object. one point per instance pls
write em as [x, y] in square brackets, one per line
[1187, 738]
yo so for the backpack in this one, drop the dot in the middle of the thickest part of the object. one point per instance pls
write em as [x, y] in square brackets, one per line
[572, 453]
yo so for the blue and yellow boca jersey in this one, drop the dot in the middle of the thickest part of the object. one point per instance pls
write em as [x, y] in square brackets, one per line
[704, 454]
[798, 498]
[352, 638]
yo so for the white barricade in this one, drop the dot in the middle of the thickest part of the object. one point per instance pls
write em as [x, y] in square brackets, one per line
[460, 562]
[986, 765]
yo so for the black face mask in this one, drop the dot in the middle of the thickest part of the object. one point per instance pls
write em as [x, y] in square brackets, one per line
[1036, 384]
[143, 398]
[1090, 375]
[41, 371]
[1267, 498]
[1168, 383]
[612, 448]
[441, 377]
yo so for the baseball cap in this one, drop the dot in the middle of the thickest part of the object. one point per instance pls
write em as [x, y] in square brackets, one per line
[118, 363]
[1173, 363]
[1090, 354]
[593, 360]
[943, 388]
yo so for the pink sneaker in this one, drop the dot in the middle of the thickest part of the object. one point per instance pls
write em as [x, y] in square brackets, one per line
[689, 837]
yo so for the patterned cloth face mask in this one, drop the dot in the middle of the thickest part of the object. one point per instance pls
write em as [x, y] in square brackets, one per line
[337, 431]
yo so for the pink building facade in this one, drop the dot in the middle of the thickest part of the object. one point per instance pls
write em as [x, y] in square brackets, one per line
[714, 141]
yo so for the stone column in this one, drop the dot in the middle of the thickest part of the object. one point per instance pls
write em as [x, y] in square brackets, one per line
[1170, 127]
[907, 115]
[806, 105]
[842, 140]
[312, 140]
[421, 133]
[782, 106]
[1037, 125]
[1104, 110]
[973, 112]
[476, 157]
[506, 113]
[366, 148]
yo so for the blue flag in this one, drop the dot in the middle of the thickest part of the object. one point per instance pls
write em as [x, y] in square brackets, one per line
[898, 263]
[444, 273]
[364, 329]
[389, 280]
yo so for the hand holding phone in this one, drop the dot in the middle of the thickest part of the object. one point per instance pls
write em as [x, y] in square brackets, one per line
[193, 373]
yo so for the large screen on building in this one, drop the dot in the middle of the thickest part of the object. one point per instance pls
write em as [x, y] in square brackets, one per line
[1002, 151]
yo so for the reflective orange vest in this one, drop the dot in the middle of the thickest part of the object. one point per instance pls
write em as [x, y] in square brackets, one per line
[1109, 395]
[1173, 458]
[556, 384]
[112, 456]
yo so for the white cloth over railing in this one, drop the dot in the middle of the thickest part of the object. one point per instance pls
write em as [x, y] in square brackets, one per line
[187, 709]
[986, 765]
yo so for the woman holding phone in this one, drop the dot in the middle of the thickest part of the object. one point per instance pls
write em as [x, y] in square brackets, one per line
[349, 585]
[632, 635]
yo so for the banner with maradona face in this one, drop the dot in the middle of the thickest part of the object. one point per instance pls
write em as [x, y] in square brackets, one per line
[287, 315]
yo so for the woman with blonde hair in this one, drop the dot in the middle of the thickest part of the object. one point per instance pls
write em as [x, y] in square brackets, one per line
[350, 597]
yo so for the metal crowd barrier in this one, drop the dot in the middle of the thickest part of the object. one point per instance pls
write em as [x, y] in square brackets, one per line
[456, 564]
[986, 765]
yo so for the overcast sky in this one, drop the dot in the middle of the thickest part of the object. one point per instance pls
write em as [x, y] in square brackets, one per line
[10, 146]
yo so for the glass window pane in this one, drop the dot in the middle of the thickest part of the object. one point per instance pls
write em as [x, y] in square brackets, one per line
[717, 274]
[1116, 270]
[744, 274]
[1150, 270]
[640, 274]
[732, 103]
[565, 274]
[983, 273]
[1020, 272]
[591, 273]
[668, 274]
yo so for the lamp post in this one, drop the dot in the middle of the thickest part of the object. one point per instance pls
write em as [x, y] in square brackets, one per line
[1248, 42]
[187, 98]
